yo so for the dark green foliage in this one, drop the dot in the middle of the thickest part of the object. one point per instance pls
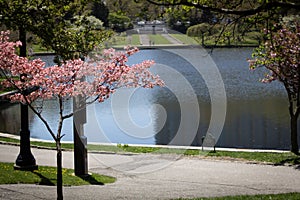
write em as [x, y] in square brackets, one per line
[100, 11]
[62, 26]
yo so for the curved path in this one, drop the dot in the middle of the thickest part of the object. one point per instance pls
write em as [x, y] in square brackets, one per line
[149, 176]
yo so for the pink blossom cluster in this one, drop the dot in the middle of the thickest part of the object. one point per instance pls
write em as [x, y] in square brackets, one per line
[100, 76]
[281, 56]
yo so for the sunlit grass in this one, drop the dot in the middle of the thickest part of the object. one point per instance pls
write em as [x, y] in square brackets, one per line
[287, 196]
[135, 40]
[267, 157]
[211, 41]
[37, 48]
[47, 176]
[158, 39]
[185, 39]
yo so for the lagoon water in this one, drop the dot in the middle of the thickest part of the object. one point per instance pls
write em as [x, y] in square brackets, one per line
[231, 105]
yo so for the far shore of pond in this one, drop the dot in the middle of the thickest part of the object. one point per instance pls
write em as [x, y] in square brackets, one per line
[161, 46]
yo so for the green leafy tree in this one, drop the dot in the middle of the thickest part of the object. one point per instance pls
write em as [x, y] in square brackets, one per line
[74, 38]
[119, 22]
[37, 16]
[200, 30]
[280, 54]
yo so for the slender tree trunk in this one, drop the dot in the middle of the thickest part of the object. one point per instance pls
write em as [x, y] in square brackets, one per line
[294, 114]
[294, 134]
[59, 172]
[228, 41]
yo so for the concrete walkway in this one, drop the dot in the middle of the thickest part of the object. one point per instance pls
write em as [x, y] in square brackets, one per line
[144, 40]
[148, 176]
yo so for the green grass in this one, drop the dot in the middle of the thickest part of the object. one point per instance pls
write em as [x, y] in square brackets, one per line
[287, 196]
[272, 158]
[119, 41]
[210, 41]
[38, 48]
[185, 39]
[2, 91]
[66, 146]
[158, 39]
[122, 40]
[47, 176]
[2, 88]
[135, 40]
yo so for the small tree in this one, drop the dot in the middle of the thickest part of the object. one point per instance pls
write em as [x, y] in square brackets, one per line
[199, 30]
[106, 72]
[119, 22]
[280, 54]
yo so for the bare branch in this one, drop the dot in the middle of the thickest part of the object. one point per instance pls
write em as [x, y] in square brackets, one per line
[264, 6]
[41, 118]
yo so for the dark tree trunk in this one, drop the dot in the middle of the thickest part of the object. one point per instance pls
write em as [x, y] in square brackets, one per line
[294, 114]
[59, 173]
[202, 39]
[294, 134]
[22, 38]
[228, 41]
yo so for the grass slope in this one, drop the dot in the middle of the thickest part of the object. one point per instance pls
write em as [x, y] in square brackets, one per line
[264, 157]
[287, 196]
[47, 176]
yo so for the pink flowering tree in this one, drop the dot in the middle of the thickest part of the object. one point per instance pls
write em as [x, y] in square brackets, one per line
[281, 56]
[105, 72]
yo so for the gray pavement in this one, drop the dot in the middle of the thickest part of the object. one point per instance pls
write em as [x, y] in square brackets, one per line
[148, 176]
[144, 39]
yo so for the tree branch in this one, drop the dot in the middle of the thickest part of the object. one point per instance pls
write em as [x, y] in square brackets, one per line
[41, 118]
[264, 6]
[61, 119]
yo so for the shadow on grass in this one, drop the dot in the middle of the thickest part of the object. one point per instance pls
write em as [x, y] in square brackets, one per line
[90, 179]
[293, 161]
[44, 180]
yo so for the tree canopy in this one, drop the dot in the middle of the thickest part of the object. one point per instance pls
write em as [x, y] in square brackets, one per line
[236, 16]
[63, 26]
[235, 7]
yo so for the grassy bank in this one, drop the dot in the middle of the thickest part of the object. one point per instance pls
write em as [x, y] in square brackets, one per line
[47, 176]
[2, 88]
[287, 196]
[185, 39]
[259, 157]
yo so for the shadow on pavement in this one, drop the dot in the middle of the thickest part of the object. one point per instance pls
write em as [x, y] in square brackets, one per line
[293, 161]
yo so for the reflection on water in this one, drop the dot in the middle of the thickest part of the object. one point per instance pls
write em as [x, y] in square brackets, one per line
[256, 117]
[10, 118]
